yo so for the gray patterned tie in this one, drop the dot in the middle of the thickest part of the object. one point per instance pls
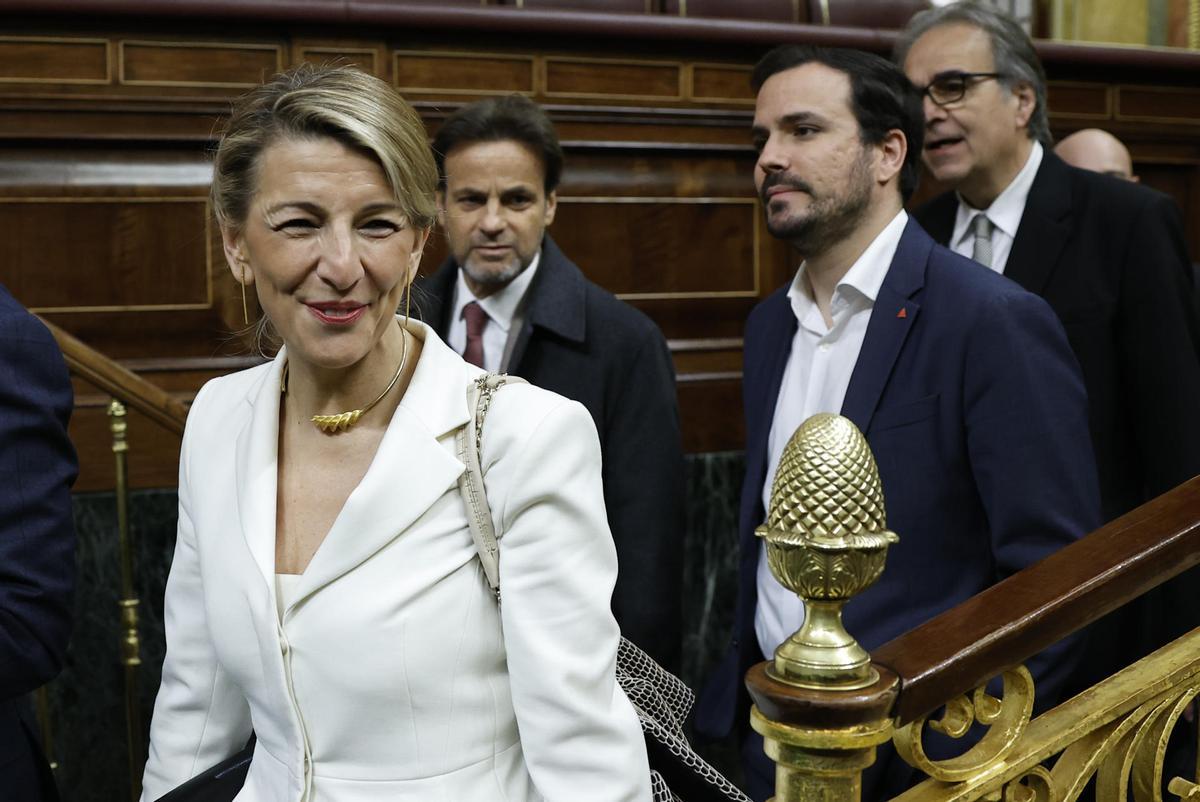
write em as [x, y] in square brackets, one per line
[982, 229]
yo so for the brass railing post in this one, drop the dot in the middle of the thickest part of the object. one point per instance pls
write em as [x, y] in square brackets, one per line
[128, 603]
[820, 705]
[42, 707]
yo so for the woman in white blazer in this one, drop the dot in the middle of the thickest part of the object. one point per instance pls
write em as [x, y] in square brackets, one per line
[326, 592]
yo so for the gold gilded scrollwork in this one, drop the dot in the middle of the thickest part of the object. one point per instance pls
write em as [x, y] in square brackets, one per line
[1035, 786]
[1129, 752]
[1006, 718]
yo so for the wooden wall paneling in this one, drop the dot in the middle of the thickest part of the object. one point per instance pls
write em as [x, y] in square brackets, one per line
[1079, 100]
[423, 72]
[663, 248]
[612, 79]
[710, 411]
[764, 10]
[115, 254]
[1158, 104]
[54, 60]
[200, 65]
[721, 83]
[367, 56]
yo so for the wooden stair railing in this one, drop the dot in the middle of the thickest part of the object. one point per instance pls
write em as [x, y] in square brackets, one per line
[1015, 619]
[119, 382]
[821, 721]
[126, 388]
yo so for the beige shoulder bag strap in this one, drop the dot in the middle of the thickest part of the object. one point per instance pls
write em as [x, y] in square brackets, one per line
[470, 484]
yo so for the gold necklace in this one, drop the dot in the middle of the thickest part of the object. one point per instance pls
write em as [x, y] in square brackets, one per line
[332, 424]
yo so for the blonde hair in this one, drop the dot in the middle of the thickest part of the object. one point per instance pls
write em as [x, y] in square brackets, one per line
[342, 103]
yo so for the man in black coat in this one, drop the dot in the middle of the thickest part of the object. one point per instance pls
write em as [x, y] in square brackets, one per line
[1108, 255]
[37, 540]
[509, 300]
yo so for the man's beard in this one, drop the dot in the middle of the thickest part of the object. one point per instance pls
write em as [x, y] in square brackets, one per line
[829, 219]
[494, 277]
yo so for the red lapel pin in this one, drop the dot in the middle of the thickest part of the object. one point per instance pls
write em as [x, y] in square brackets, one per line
[902, 313]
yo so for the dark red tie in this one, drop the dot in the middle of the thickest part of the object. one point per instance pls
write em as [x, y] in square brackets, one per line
[476, 320]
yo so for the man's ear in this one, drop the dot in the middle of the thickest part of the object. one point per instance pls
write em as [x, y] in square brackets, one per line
[551, 206]
[1026, 99]
[892, 152]
[235, 256]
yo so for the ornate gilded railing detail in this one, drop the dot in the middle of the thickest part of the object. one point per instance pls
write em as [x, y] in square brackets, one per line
[1115, 732]
[1006, 719]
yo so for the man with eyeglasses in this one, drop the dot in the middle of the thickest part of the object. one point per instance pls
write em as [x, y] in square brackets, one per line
[1108, 255]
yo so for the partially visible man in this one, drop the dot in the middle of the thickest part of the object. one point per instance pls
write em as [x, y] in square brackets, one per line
[962, 382]
[1107, 255]
[509, 300]
[37, 539]
[1098, 151]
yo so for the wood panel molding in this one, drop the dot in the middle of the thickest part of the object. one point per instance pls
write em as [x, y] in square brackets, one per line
[75, 61]
[208, 65]
[422, 72]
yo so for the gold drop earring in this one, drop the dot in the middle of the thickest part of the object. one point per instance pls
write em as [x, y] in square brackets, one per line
[245, 311]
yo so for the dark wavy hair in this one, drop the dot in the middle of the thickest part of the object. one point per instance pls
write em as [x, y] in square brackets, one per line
[881, 97]
[500, 119]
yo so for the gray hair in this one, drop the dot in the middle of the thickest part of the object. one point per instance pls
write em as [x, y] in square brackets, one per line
[1012, 49]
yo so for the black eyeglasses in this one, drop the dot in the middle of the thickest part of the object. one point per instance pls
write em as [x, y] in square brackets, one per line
[951, 87]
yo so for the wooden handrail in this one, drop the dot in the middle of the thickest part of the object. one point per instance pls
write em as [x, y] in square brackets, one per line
[1015, 619]
[119, 382]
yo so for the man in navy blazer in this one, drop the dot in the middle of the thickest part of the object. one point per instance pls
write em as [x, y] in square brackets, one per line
[962, 382]
[37, 539]
[541, 319]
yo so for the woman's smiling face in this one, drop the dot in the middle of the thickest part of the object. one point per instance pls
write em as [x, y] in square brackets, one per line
[327, 247]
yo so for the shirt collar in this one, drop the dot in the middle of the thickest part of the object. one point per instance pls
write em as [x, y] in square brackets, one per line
[1006, 210]
[864, 277]
[501, 306]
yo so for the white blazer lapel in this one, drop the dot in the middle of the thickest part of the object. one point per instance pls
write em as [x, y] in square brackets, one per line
[257, 471]
[410, 471]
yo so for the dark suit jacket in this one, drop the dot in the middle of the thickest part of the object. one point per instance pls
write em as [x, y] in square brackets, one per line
[1110, 259]
[973, 407]
[37, 538]
[581, 342]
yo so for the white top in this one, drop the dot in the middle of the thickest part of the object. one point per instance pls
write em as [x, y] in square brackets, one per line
[393, 675]
[286, 586]
[1005, 214]
[504, 309]
[818, 372]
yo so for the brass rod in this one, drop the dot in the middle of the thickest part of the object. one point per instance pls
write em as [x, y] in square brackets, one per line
[128, 603]
[1193, 24]
[41, 701]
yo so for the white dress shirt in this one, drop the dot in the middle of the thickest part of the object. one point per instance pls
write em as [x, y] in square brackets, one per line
[505, 313]
[1005, 214]
[818, 372]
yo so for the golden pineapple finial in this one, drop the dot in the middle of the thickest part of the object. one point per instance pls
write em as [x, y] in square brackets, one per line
[827, 540]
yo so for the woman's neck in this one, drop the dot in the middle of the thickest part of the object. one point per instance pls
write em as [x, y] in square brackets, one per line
[314, 390]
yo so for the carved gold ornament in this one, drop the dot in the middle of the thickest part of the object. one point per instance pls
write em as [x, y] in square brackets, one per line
[827, 540]
[1006, 719]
